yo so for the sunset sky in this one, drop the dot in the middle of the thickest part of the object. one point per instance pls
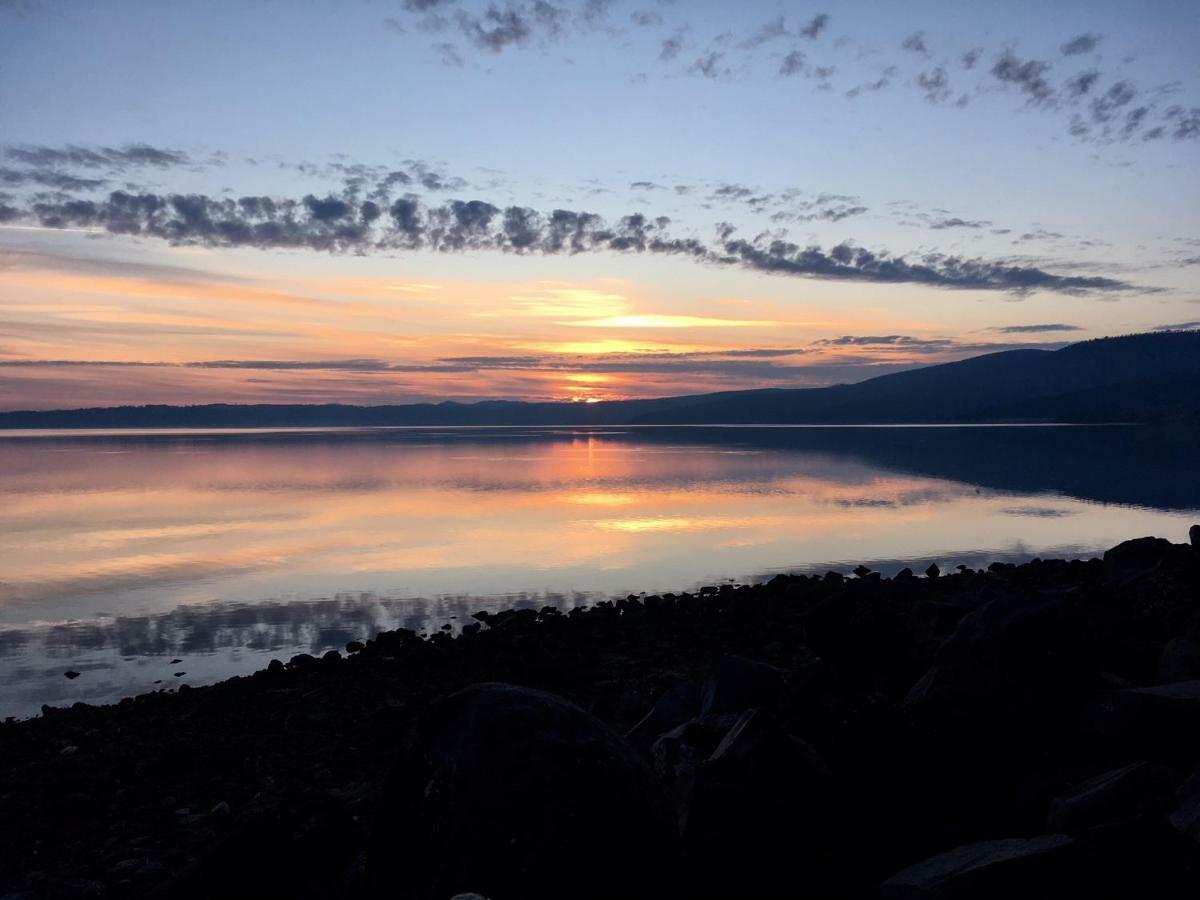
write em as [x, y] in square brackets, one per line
[387, 202]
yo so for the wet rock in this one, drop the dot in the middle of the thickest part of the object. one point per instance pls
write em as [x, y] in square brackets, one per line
[1161, 722]
[861, 571]
[179, 674]
[331, 656]
[1139, 789]
[71, 674]
[1043, 866]
[512, 792]
[933, 571]
[734, 684]
[355, 647]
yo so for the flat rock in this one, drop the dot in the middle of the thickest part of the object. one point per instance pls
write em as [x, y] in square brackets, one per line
[1161, 722]
[1035, 867]
[1141, 788]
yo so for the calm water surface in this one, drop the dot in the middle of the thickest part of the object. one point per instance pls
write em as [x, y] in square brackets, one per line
[121, 552]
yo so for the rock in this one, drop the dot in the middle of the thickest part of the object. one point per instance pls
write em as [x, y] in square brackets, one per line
[1132, 557]
[677, 704]
[221, 809]
[1194, 535]
[735, 684]
[1185, 817]
[275, 667]
[302, 661]
[514, 792]
[1141, 788]
[1038, 867]
[331, 656]
[180, 674]
[71, 674]
[933, 571]
[761, 795]
[1180, 660]
[1161, 722]
[678, 753]
[861, 571]
[355, 647]
[69, 750]
[175, 662]
[1016, 654]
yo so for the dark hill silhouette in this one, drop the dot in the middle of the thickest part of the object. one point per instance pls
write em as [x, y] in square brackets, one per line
[1143, 377]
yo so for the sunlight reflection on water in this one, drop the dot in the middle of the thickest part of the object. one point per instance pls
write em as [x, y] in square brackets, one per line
[122, 551]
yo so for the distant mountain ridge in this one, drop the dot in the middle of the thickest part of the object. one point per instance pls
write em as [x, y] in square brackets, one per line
[1135, 378]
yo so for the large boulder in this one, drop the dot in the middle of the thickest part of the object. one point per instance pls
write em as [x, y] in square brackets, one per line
[676, 705]
[516, 793]
[1036, 867]
[735, 684]
[1185, 817]
[1180, 659]
[1016, 654]
[758, 817]
[1113, 798]
[1135, 556]
[1161, 722]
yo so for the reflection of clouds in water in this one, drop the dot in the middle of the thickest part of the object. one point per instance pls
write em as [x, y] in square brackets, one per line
[122, 655]
[1039, 512]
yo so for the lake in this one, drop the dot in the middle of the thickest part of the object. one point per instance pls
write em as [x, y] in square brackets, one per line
[128, 557]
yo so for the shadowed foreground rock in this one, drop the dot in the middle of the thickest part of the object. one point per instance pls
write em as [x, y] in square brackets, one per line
[512, 792]
[1028, 730]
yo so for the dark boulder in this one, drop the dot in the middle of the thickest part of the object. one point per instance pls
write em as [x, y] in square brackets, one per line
[1161, 722]
[678, 753]
[1017, 654]
[1136, 556]
[1185, 817]
[1194, 535]
[1116, 797]
[1043, 866]
[763, 796]
[677, 704]
[516, 793]
[735, 684]
[1179, 660]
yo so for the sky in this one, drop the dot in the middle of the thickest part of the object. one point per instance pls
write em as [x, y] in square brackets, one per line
[391, 201]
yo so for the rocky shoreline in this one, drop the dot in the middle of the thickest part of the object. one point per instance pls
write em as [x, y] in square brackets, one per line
[1021, 729]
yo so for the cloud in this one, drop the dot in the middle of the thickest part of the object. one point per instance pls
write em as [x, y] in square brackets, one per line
[915, 43]
[935, 85]
[814, 28]
[1035, 329]
[1083, 43]
[347, 224]
[116, 159]
[709, 65]
[673, 45]
[795, 63]
[1178, 326]
[1029, 76]
[956, 222]
[646, 18]
[768, 32]
[49, 178]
